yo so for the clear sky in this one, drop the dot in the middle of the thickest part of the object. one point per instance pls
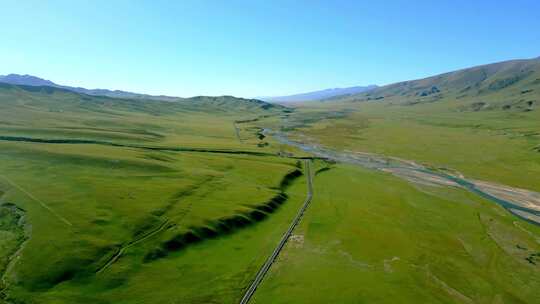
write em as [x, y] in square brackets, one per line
[258, 48]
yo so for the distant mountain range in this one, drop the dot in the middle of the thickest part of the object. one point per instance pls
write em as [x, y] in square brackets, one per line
[30, 80]
[320, 95]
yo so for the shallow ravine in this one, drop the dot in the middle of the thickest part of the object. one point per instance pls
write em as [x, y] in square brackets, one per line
[23, 229]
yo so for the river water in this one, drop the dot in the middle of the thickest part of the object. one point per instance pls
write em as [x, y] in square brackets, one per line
[513, 202]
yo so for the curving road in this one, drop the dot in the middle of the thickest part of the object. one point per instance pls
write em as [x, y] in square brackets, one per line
[272, 258]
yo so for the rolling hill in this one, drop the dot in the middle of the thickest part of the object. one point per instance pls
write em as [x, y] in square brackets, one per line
[509, 85]
[135, 200]
[483, 121]
[94, 186]
[376, 241]
[53, 97]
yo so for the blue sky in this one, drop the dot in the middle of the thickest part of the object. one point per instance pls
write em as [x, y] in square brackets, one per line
[258, 48]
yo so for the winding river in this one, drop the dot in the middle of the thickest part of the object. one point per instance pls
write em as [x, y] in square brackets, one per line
[522, 203]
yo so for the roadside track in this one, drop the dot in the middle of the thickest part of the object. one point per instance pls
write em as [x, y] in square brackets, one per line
[44, 205]
[237, 132]
[272, 258]
[144, 237]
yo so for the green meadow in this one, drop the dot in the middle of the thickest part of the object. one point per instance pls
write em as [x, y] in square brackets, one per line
[115, 200]
[483, 122]
[370, 237]
[121, 201]
[494, 146]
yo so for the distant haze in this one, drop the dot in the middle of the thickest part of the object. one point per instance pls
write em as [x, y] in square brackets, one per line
[319, 95]
[26, 80]
[258, 48]
[30, 80]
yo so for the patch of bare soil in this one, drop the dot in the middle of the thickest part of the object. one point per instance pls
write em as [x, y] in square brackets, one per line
[297, 240]
[388, 264]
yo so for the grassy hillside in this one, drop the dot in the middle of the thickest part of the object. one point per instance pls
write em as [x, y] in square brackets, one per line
[57, 113]
[483, 122]
[110, 200]
[102, 198]
[510, 85]
[372, 238]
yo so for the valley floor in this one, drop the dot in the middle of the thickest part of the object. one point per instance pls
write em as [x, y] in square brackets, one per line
[371, 237]
[121, 201]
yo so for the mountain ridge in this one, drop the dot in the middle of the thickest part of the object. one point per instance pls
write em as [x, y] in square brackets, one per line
[30, 80]
[511, 84]
[61, 99]
[319, 94]
[477, 76]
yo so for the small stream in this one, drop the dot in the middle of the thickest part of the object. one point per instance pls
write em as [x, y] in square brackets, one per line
[408, 170]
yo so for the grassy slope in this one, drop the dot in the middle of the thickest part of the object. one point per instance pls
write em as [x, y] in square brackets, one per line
[114, 195]
[212, 271]
[54, 113]
[479, 122]
[84, 202]
[369, 237]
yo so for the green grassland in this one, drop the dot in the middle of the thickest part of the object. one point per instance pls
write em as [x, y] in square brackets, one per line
[111, 200]
[109, 209]
[44, 112]
[370, 237]
[483, 122]
[131, 201]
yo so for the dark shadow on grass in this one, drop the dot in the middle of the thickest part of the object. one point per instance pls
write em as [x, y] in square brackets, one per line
[322, 170]
[226, 225]
[105, 143]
